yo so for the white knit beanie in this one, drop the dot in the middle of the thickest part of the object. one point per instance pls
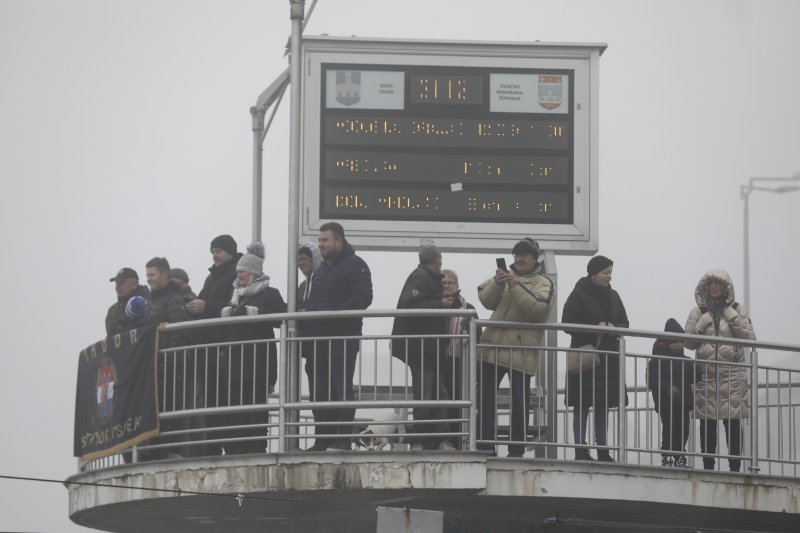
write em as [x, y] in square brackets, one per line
[253, 260]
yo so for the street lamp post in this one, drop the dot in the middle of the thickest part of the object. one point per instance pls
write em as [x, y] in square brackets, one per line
[755, 184]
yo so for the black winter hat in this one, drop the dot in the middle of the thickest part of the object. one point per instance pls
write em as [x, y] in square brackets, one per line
[672, 326]
[225, 242]
[598, 263]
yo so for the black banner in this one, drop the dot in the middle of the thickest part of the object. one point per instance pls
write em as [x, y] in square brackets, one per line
[115, 400]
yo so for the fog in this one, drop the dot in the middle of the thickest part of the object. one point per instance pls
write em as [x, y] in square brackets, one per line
[125, 134]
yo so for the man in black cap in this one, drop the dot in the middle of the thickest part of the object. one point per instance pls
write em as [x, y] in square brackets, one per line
[126, 283]
[520, 293]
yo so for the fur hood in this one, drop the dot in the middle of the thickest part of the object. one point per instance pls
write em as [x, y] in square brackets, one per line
[701, 291]
[316, 257]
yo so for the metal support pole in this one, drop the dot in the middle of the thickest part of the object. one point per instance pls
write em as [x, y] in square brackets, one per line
[622, 418]
[258, 154]
[296, 12]
[746, 190]
[296, 70]
[551, 361]
[472, 363]
[283, 358]
[754, 184]
[754, 429]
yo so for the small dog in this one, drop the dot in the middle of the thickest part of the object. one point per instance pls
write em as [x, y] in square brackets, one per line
[388, 422]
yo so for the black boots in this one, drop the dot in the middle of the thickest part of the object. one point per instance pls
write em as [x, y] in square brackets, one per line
[582, 454]
[604, 456]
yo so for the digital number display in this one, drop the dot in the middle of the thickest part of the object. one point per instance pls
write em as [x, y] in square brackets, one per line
[447, 132]
[446, 168]
[413, 204]
[435, 89]
[450, 144]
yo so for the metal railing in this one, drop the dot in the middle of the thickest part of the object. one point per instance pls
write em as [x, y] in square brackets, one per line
[227, 397]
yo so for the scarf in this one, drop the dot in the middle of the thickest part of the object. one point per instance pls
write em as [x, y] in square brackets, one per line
[244, 292]
[603, 295]
[716, 307]
[455, 346]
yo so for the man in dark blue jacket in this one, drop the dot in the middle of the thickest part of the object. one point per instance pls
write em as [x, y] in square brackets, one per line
[342, 282]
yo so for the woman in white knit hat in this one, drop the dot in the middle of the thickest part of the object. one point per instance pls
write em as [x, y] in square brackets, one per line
[253, 365]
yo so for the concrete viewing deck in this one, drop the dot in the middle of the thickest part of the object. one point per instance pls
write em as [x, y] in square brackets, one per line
[340, 492]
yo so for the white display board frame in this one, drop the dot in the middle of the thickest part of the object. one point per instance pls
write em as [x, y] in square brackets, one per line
[580, 237]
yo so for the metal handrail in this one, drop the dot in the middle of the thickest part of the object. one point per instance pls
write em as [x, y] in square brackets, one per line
[284, 406]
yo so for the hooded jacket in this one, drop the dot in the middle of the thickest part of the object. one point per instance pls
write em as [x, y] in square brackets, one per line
[530, 300]
[305, 286]
[722, 393]
[671, 378]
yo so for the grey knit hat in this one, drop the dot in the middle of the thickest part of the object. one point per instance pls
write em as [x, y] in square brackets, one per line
[253, 260]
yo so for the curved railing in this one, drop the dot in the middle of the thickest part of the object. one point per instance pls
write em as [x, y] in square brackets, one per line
[219, 397]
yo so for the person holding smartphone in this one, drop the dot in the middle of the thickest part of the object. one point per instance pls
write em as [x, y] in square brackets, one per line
[521, 293]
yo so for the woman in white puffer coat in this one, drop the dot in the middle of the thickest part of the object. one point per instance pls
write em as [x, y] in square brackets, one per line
[722, 393]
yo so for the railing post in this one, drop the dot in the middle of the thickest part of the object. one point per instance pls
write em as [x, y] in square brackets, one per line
[754, 429]
[622, 415]
[284, 380]
[473, 383]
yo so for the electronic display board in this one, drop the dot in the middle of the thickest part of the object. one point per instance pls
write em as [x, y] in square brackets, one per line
[468, 145]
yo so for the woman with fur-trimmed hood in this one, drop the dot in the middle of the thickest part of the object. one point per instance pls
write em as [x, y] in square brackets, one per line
[722, 393]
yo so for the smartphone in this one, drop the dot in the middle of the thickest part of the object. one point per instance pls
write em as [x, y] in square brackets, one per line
[501, 263]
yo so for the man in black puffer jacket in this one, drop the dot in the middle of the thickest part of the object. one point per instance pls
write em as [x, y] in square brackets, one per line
[167, 305]
[343, 282]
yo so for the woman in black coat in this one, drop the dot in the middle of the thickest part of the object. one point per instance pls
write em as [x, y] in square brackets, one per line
[253, 365]
[594, 302]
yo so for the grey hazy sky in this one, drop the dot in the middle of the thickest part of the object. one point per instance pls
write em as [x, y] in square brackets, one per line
[125, 134]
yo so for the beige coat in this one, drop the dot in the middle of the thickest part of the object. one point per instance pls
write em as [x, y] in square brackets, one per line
[530, 303]
[722, 393]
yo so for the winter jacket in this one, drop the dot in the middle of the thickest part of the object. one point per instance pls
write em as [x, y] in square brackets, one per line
[422, 290]
[723, 391]
[530, 300]
[591, 304]
[267, 300]
[305, 286]
[342, 283]
[167, 305]
[116, 319]
[671, 378]
[218, 287]
[216, 293]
